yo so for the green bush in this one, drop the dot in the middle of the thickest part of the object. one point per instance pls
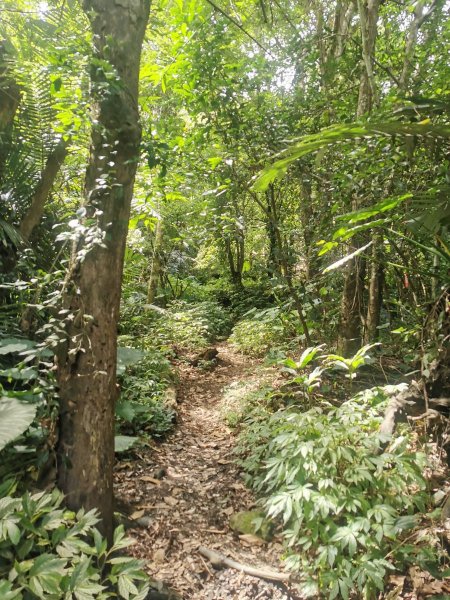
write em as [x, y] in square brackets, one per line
[193, 326]
[261, 331]
[343, 501]
[141, 408]
[28, 407]
[49, 552]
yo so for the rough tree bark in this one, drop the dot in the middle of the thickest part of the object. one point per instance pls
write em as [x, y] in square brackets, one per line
[34, 214]
[349, 337]
[86, 362]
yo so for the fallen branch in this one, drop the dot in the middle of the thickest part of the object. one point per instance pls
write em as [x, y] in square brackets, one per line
[219, 561]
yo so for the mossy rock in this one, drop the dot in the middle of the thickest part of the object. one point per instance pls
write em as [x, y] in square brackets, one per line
[252, 522]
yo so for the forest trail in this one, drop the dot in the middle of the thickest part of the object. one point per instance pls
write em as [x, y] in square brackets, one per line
[199, 488]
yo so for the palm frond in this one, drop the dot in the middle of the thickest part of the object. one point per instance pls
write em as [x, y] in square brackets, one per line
[343, 133]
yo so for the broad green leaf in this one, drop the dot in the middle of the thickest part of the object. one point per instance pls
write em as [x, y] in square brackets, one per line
[11, 345]
[127, 357]
[122, 443]
[380, 207]
[15, 418]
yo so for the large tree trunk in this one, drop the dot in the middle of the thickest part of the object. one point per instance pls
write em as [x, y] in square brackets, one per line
[34, 214]
[87, 359]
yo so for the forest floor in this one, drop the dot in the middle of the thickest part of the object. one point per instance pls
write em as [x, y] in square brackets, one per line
[188, 486]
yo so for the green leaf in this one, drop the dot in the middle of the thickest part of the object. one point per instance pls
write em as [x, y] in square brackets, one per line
[13, 532]
[122, 443]
[347, 258]
[12, 345]
[406, 522]
[7, 592]
[15, 418]
[380, 207]
[127, 357]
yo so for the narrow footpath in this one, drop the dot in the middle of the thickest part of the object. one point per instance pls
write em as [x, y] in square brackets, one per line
[188, 487]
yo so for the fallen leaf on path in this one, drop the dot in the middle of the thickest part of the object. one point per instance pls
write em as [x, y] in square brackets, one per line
[159, 556]
[170, 501]
[219, 531]
[251, 540]
[149, 479]
[137, 514]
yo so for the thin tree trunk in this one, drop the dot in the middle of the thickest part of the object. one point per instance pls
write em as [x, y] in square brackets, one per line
[273, 260]
[308, 224]
[156, 262]
[34, 214]
[349, 338]
[284, 262]
[86, 362]
[411, 42]
[368, 16]
[375, 292]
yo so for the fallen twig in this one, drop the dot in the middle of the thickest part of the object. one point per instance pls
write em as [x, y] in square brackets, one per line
[219, 560]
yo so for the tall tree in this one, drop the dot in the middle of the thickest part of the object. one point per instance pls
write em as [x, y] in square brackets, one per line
[87, 357]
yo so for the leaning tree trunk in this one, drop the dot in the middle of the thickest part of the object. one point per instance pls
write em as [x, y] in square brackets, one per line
[87, 358]
[52, 167]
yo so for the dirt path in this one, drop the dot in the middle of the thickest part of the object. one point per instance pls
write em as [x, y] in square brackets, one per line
[199, 489]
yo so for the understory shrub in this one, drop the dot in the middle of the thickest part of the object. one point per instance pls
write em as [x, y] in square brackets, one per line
[344, 500]
[193, 326]
[48, 552]
[144, 378]
[262, 330]
[28, 408]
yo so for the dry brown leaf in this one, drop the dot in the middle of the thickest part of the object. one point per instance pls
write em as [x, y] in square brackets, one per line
[159, 556]
[149, 479]
[251, 540]
[137, 514]
[170, 500]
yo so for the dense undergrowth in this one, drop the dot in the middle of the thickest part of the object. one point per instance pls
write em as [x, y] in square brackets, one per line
[351, 505]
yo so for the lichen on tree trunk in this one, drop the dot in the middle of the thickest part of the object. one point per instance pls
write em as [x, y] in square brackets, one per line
[86, 361]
